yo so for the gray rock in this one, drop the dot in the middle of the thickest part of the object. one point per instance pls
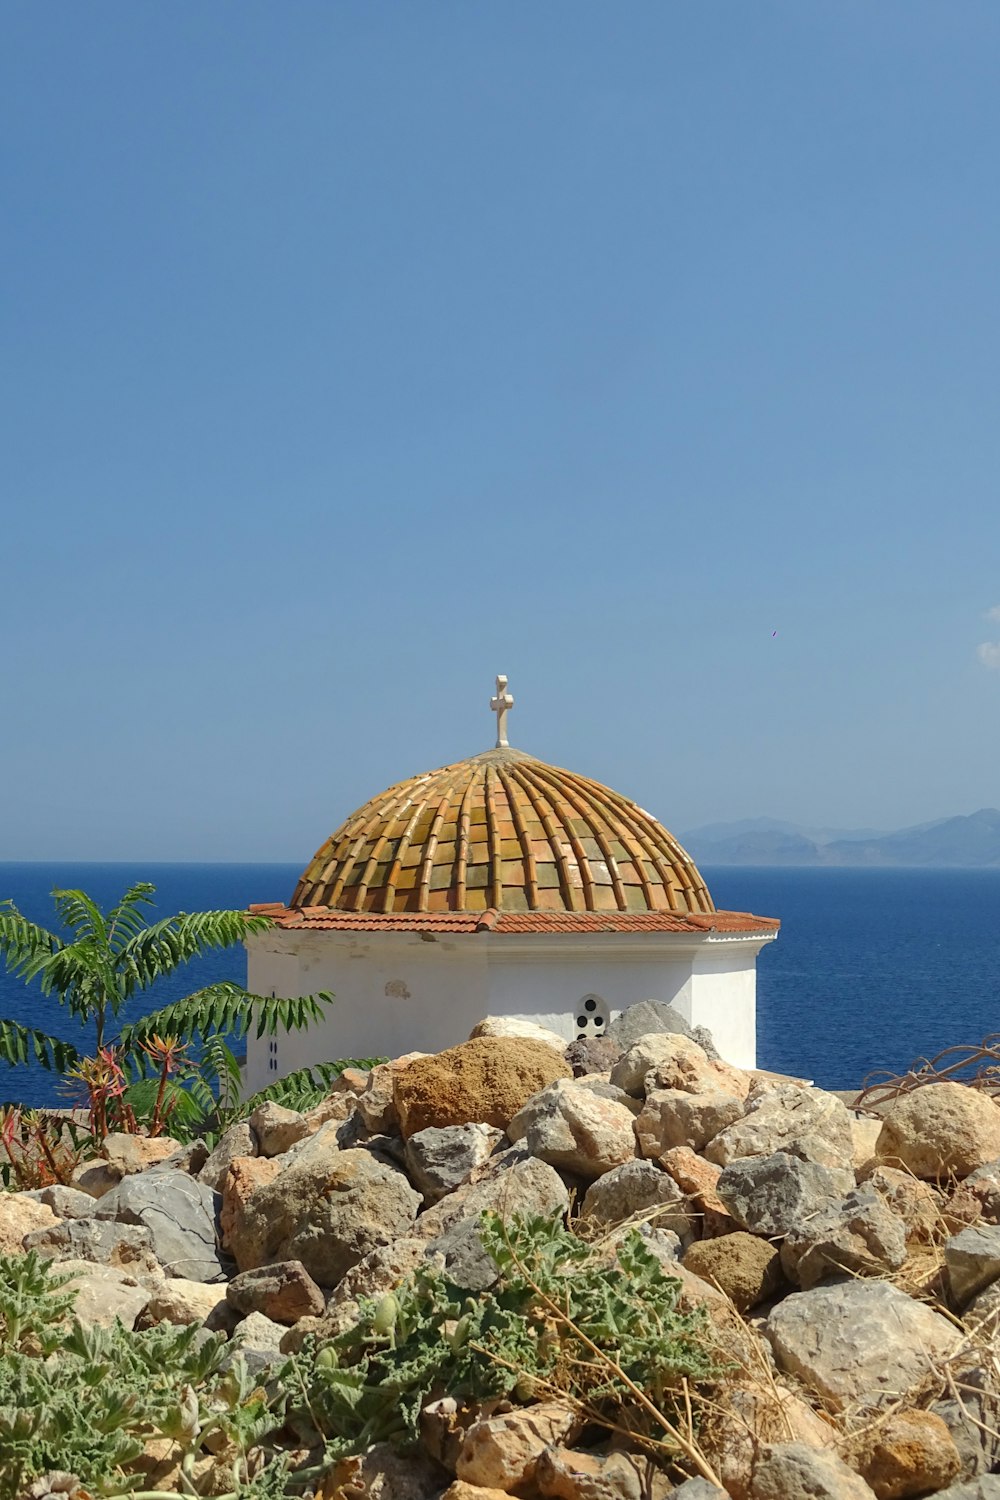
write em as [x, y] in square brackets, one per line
[857, 1340]
[278, 1129]
[808, 1123]
[127, 1247]
[673, 1117]
[95, 1178]
[67, 1202]
[440, 1159]
[860, 1235]
[180, 1214]
[569, 1126]
[284, 1293]
[645, 1018]
[771, 1195]
[972, 1416]
[973, 1261]
[636, 1188]
[238, 1140]
[797, 1469]
[327, 1209]
[706, 1042]
[985, 1487]
[527, 1186]
[258, 1340]
[697, 1489]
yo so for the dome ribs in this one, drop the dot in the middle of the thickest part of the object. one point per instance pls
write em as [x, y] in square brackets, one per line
[493, 839]
[579, 806]
[542, 813]
[507, 832]
[390, 888]
[523, 838]
[430, 848]
[462, 846]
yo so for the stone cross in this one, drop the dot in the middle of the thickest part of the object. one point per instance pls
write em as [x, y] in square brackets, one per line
[500, 704]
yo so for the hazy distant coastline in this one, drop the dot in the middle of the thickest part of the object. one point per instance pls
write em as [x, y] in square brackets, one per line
[969, 842]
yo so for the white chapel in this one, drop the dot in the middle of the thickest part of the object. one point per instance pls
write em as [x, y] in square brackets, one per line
[501, 886]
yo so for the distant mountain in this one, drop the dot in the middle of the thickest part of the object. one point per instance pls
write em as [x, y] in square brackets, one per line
[961, 842]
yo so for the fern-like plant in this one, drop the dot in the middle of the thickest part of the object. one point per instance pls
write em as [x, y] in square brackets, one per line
[99, 962]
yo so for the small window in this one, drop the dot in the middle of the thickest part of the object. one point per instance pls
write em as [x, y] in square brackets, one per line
[590, 1018]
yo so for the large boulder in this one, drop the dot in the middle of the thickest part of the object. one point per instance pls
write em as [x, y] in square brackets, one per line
[857, 1341]
[21, 1215]
[516, 1027]
[520, 1185]
[238, 1140]
[284, 1292]
[802, 1122]
[181, 1216]
[941, 1130]
[439, 1161]
[328, 1209]
[485, 1081]
[277, 1129]
[668, 1060]
[973, 1260]
[502, 1452]
[571, 1127]
[674, 1117]
[241, 1179]
[127, 1247]
[103, 1294]
[127, 1154]
[787, 1469]
[771, 1195]
[646, 1018]
[745, 1267]
[639, 1187]
[859, 1235]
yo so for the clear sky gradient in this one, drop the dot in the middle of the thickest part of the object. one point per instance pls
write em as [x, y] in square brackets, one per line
[355, 352]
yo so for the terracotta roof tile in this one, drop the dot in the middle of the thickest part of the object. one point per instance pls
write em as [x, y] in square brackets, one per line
[324, 919]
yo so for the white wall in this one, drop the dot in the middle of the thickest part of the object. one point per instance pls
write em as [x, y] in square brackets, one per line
[398, 992]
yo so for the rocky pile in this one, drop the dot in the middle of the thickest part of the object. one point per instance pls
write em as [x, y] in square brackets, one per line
[850, 1265]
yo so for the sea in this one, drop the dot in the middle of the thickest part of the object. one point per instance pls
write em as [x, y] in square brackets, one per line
[873, 968]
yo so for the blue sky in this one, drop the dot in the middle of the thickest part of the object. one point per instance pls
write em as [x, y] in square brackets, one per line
[354, 353]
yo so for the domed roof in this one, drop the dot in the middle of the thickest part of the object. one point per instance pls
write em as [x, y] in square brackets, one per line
[502, 831]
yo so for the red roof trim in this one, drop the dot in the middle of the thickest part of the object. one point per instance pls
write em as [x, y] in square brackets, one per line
[325, 919]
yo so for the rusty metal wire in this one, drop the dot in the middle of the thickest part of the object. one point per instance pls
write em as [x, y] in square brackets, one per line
[977, 1066]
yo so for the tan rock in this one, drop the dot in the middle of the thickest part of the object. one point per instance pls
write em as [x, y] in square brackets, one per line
[941, 1130]
[564, 1474]
[20, 1216]
[917, 1204]
[750, 1416]
[383, 1474]
[807, 1123]
[695, 1176]
[278, 1129]
[95, 1178]
[865, 1131]
[485, 1082]
[176, 1300]
[575, 1129]
[668, 1060]
[377, 1102]
[103, 1293]
[243, 1177]
[459, 1489]
[128, 1154]
[784, 1470]
[910, 1453]
[676, 1117]
[513, 1026]
[502, 1452]
[746, 1268]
